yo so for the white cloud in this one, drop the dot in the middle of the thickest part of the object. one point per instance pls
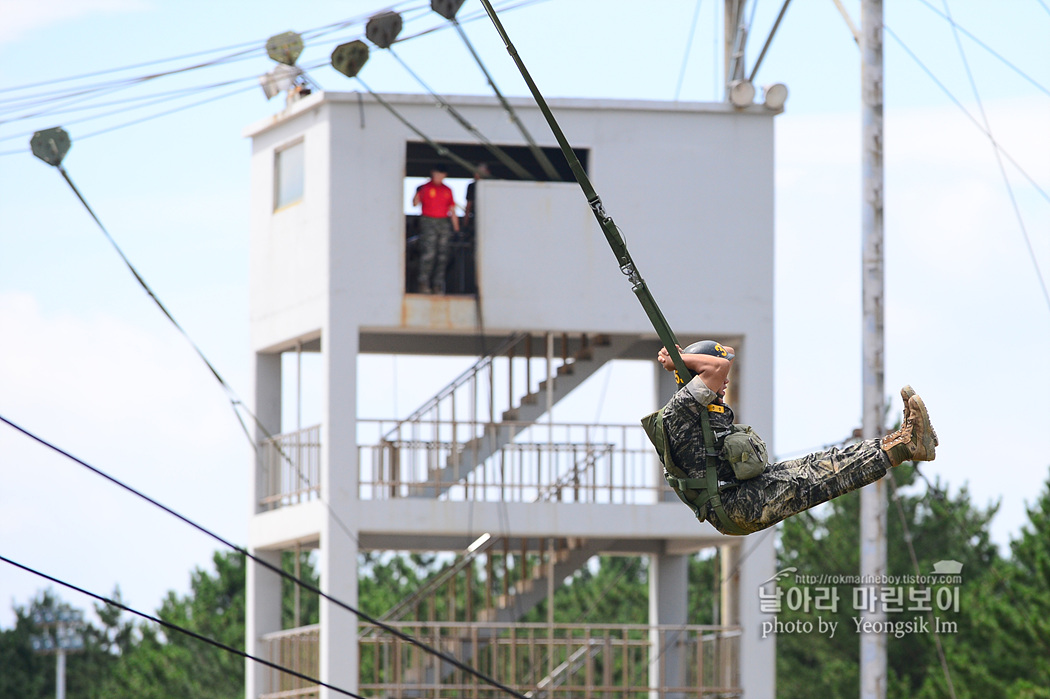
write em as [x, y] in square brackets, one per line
[958, 279]
[137, 404]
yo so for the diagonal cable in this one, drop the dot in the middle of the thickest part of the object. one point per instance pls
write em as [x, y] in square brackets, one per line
[986, 47]
[235, 402]
[97, 89]
[986, 127]
[908, 540]
[1042, 192]
[441, 150]
[144, 101]
[998, 156]
[498, 152]
[769, 40]
[688, 48]
[537, 152]
[271, 567]
[180, 629]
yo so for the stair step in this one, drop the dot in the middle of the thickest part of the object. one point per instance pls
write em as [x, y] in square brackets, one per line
[595, 350]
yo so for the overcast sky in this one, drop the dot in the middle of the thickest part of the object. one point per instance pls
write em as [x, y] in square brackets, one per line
[89, 363]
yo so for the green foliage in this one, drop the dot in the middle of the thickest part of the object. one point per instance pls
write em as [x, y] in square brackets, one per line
[25, 673]
[1008, 615]
[165, 663]
[125, 657]
[998, 649]
[615, 591]
[309, 602]
[825, 541]
[30, 674]
[387, 580]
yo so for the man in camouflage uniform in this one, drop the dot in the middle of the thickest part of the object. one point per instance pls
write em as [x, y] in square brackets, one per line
[438, 208]
[789, 487]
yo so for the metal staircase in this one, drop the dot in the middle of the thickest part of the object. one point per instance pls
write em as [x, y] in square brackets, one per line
[482, 438]
[558, 559]
[470, 402]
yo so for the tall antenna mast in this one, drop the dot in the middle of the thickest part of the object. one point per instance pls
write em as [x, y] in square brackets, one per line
[872, 498]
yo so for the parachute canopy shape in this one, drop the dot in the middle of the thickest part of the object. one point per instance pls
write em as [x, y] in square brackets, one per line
[285, 48]
[349, 58]
[446, 8]
[382, 29]
[50, 145]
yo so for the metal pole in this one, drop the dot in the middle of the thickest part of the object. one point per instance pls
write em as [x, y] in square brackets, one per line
[298, 387]
[297, 610]
[873, 498]
[60, 674]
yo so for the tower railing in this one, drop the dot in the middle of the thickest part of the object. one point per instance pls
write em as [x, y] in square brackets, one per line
[618, 661]
[291, 468]
[560, 462]
[563, 462]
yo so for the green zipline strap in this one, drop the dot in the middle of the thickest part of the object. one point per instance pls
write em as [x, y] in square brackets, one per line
[609, 228]
[711, 475]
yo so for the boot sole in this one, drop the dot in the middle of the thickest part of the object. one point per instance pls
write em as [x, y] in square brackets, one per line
[929, 436]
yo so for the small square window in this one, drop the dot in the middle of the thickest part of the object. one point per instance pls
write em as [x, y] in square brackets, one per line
[288, 175]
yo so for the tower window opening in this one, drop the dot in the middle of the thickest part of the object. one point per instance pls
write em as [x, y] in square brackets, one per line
[288, 167]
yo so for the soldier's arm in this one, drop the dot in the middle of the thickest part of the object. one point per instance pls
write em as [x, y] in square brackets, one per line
[713, 371]
[696, 363]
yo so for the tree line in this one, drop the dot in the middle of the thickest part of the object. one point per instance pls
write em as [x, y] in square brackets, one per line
[992, 640]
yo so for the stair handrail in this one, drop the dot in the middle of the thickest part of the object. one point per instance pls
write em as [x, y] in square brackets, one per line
[512, 340]
[557, 676]
[479, 546]
[590, 458]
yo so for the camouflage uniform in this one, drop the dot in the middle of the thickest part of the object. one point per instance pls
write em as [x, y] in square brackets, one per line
[782, 489]
[434, 235]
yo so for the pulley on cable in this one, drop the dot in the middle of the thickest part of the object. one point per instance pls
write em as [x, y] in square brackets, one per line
[51, 145]
[349, 59]
[285, 49]
[382, 29]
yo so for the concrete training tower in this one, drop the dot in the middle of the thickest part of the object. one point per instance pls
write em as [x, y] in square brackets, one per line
[481, 465]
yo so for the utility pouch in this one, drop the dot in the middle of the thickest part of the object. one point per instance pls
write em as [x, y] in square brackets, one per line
[691, 491]
[745, 451]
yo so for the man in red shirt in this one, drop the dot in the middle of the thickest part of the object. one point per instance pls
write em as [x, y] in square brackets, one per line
[434, 233]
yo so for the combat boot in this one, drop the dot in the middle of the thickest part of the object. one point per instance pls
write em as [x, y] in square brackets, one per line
[916, 439]
[906, 393]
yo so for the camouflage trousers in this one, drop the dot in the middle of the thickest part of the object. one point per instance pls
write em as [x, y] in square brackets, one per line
[434, 235]
[790, 487]
[782, 489]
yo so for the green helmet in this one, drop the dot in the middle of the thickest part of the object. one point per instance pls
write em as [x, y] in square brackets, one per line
[708, 347]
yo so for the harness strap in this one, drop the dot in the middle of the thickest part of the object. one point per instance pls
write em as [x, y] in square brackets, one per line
[714, 498]
[699, 494]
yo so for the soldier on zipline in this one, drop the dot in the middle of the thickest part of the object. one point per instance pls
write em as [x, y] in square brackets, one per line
[719, 469]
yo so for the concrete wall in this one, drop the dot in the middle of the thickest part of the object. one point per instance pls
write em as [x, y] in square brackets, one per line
[691, 188]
